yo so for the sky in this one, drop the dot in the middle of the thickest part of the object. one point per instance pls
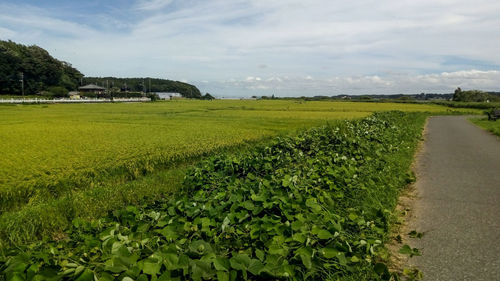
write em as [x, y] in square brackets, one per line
[236, 48]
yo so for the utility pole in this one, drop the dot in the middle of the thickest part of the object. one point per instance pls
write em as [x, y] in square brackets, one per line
[22, 83]
[150, 85]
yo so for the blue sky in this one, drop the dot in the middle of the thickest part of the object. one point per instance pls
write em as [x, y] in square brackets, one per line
[261, 47]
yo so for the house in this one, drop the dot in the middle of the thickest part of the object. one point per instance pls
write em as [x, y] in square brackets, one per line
[74, 95]
[91, 88]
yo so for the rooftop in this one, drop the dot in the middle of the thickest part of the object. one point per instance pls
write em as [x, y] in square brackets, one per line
[91, 87]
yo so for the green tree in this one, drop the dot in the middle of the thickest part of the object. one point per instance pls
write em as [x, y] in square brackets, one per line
[472, 96]
[38, 68]
[41, 71]
[157, 85]
[57, 92]
[207, 96]
[458, 95]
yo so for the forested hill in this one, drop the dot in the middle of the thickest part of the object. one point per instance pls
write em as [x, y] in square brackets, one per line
[43, 73]
[146, 85]
[36, 66]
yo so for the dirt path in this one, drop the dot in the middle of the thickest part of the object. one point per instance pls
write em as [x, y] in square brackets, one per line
[458, 204]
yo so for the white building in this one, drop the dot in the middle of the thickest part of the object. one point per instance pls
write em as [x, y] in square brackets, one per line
[169, 96]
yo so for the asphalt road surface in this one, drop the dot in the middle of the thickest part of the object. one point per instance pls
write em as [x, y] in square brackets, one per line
[458, 203]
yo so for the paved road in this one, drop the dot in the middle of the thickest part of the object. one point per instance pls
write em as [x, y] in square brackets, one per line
[458, 205]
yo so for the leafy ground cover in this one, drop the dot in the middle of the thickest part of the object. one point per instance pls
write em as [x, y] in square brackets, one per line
[314, 206]
[492, 126]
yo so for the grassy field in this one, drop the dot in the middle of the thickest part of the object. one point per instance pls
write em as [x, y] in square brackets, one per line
[82, 160]
[492, 126]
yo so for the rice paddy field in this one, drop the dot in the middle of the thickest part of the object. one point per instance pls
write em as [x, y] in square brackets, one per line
[64, 161]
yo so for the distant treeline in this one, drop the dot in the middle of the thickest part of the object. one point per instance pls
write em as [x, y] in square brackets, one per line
[40, 73]
[459, 99]
[145, 85]
[36, 67]
[461, 104]
[375, 98]
[458, 96]
[402, 97]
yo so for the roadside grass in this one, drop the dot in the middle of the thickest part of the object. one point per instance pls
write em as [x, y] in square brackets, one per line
[492, 126]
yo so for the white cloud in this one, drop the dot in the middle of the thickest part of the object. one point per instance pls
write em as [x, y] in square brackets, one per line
[444, 82]
[152, 5]
[326, 44]
[7, 33]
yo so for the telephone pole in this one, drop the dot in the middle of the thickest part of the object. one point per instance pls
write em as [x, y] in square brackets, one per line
[22, 83]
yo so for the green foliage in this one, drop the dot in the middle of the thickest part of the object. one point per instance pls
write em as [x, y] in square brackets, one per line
[416, 234]
[407, 250]
[207, 96]
[473, 96]
[475, 105]
[153, 96]
[40, 70]
[57, 91]
[412, 274]
[310, 207]
[142, 85]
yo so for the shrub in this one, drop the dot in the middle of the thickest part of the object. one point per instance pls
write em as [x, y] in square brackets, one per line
[153, 96]
[57, 92]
